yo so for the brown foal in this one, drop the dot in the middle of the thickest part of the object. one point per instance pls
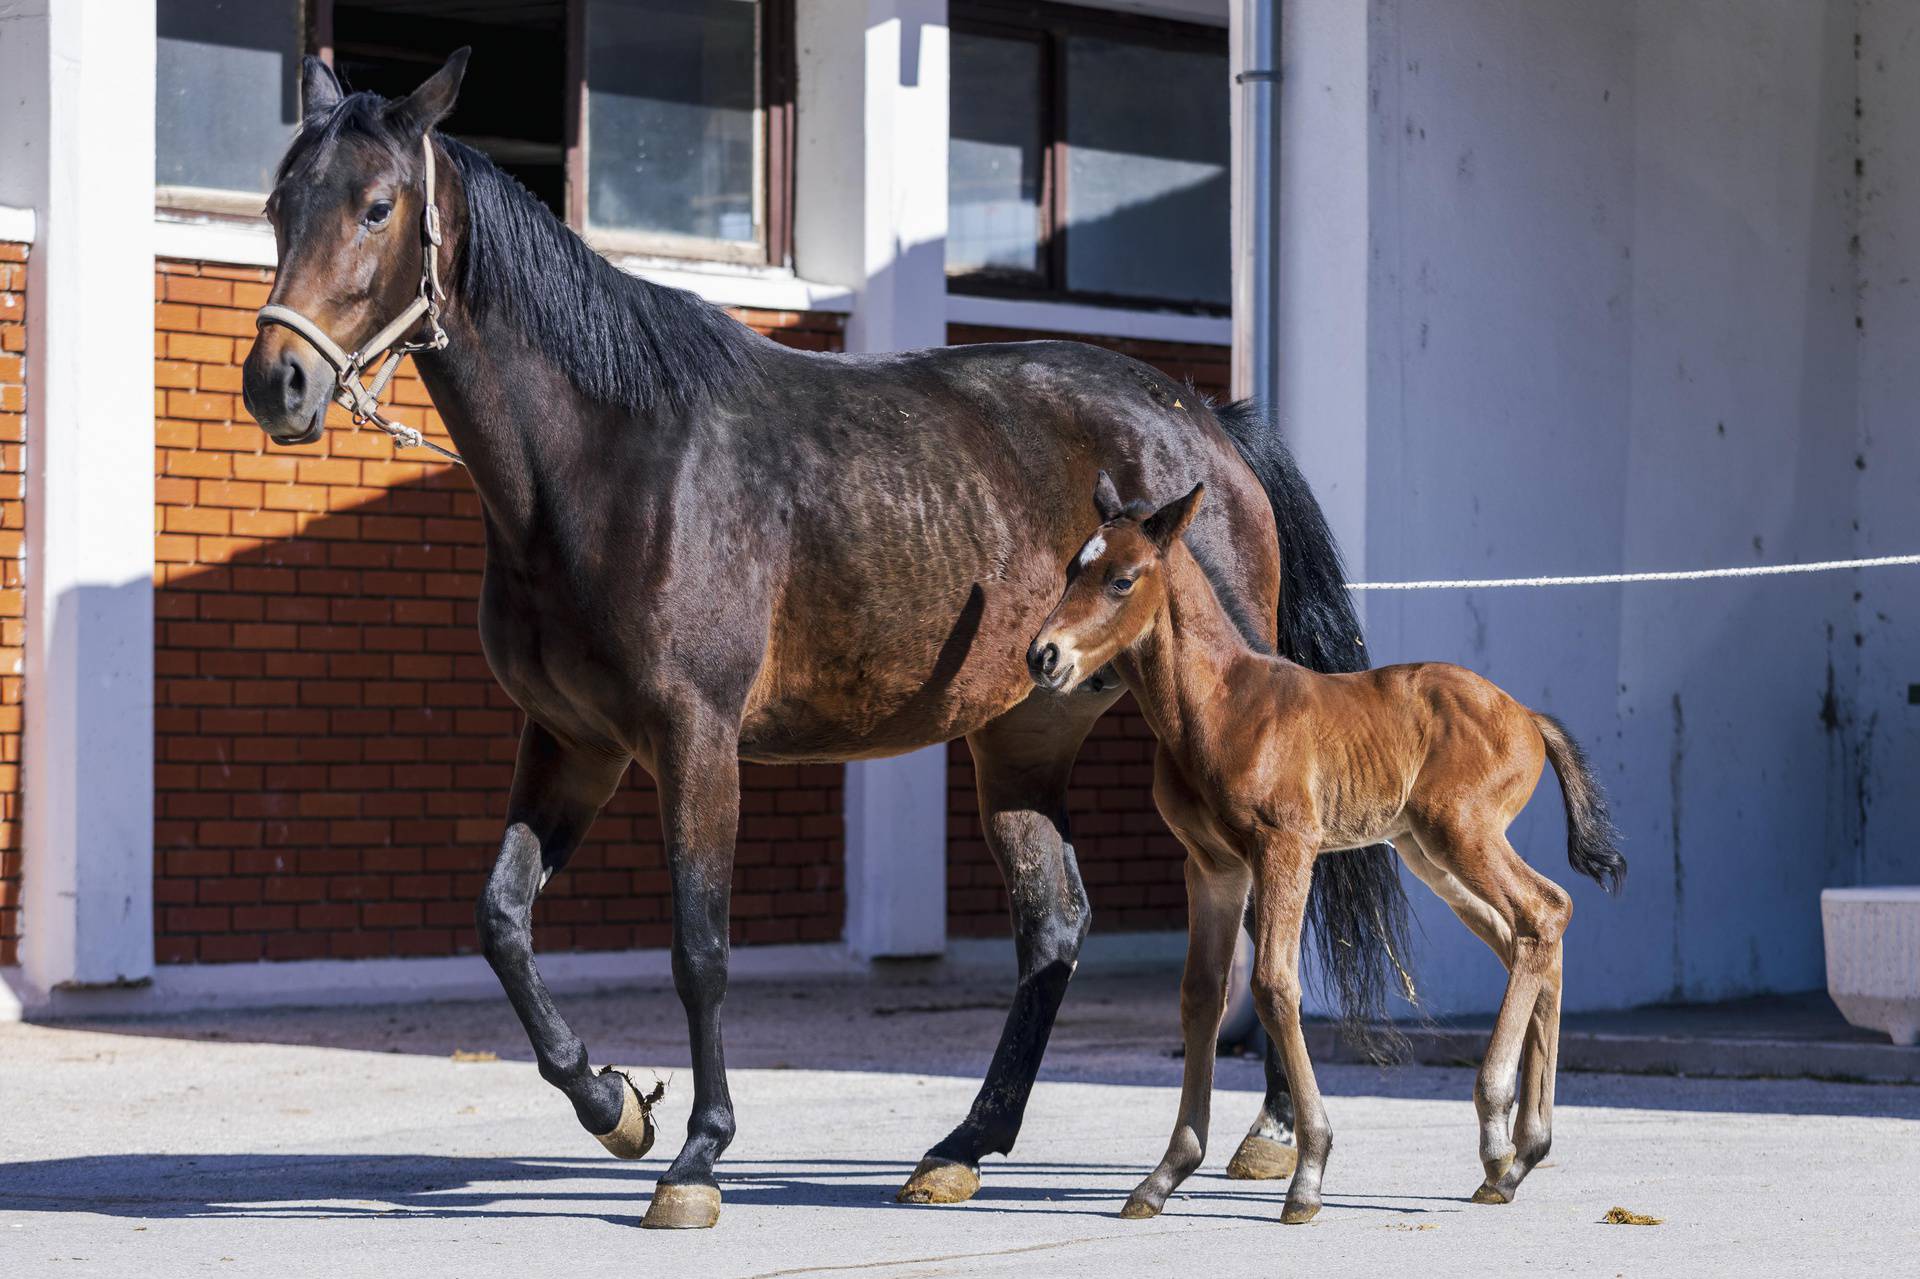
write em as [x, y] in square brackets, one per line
[1264, 765]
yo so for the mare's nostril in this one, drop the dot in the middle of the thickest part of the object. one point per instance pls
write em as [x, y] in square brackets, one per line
[1049, 658]
[294, 389]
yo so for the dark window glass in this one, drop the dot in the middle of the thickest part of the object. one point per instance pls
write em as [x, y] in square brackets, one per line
[513, 100]
[995, 155]
[1147, 153]
[225, 102]
[673, 130]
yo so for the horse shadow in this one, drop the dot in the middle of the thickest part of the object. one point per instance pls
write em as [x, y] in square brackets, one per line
[227, 1186]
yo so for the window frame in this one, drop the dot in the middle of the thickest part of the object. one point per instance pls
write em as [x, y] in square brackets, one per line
[778, 77]
[1051, 24]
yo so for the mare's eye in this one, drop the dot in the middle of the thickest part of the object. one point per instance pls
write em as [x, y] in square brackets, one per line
[378, 214]
[1120, 585]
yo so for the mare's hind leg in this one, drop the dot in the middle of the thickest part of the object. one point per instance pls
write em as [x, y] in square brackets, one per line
[557, 792]
[1021, 763]
[1522, 916]
[1282, 873]
[1215, 892]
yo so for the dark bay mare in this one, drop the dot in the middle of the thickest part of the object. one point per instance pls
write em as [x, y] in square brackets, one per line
[703, 547]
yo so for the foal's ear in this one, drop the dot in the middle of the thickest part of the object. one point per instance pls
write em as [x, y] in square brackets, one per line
[320, 89]
[433, 101]
[1106, 499]
[1165, 525]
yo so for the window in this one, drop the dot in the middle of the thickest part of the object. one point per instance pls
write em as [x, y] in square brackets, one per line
[1089, 156]
[653, 126]
[227, 101]
[674, 135]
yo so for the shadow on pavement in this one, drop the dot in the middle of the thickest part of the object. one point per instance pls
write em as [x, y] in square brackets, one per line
[313, 1187]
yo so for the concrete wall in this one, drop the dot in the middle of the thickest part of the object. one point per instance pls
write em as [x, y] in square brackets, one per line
[1613, 301]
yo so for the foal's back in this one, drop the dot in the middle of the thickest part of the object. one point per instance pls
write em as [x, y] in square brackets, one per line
[1394, 743]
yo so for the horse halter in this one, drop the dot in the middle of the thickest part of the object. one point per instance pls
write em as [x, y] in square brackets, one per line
[350, 392]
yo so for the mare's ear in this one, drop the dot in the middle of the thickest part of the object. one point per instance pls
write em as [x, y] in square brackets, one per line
[320, 90]
[1106, 499]
[1165, 525]
[433, 101]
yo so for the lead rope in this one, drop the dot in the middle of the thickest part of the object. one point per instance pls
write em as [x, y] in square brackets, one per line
[350, 393]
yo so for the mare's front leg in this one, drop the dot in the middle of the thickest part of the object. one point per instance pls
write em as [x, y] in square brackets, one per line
[698, 774]
[557, 792]
[1282, 873]
[1216, 892]
[1021, 764]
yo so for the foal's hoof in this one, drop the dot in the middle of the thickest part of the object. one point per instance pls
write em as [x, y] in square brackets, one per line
[1298, 1214]
[1261, 1159]
[689, 1207]
[1492, 1194]
[939, 1181]
[1140, 1208]
[632, 1137]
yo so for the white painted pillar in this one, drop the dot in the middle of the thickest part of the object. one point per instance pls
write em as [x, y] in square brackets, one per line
[871, 213]
[1323, 211]
[80, 139]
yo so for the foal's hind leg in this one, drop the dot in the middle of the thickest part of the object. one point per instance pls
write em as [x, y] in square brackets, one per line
[557, 792]
[1021, 764]
[1522, 916]
[1215, 892]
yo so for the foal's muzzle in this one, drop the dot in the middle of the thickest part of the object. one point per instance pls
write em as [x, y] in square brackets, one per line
[1048, 667]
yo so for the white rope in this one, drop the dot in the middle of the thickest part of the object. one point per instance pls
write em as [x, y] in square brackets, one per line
[1610, 579]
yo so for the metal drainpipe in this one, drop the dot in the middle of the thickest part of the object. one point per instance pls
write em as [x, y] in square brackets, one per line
[1254, 37]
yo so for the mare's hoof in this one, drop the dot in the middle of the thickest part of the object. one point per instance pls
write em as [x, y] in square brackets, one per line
[1492, 1194]
[1298, 1214]
[1261, 1159]
[689, 1207]
[1140, 1209]
[939, 1181]
[632, 1137]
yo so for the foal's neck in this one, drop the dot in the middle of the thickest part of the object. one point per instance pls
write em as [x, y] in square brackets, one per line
[1188, 658]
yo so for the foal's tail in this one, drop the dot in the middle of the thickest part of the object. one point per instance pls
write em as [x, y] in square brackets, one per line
[1356, 908]
[1590, 832]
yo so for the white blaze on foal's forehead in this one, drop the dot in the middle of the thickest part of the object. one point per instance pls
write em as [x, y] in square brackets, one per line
[1093, 550]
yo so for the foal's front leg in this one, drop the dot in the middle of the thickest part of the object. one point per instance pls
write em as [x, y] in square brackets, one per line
[1281, 878]
[1215, 893]
[557, 792]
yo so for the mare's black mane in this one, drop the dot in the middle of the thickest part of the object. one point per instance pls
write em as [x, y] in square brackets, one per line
[619, 340]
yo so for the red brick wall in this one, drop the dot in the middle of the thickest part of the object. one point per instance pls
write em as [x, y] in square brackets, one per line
[332, 754]
[13, 530]
[1131, 865]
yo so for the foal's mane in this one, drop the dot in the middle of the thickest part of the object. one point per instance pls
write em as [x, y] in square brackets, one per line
[619, 340]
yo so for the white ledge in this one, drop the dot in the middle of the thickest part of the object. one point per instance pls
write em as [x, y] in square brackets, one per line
[16, 225]
[235, 242]
[326, 983]
[760, 288]
[1074, 318]
[225, 241]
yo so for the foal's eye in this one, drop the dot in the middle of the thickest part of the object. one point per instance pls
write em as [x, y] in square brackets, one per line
[378, 214]
[1120, 585]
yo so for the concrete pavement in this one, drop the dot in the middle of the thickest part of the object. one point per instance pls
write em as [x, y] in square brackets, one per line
[348, 1142]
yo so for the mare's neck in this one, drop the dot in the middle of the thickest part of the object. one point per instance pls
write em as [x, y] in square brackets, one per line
[1184, 669]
